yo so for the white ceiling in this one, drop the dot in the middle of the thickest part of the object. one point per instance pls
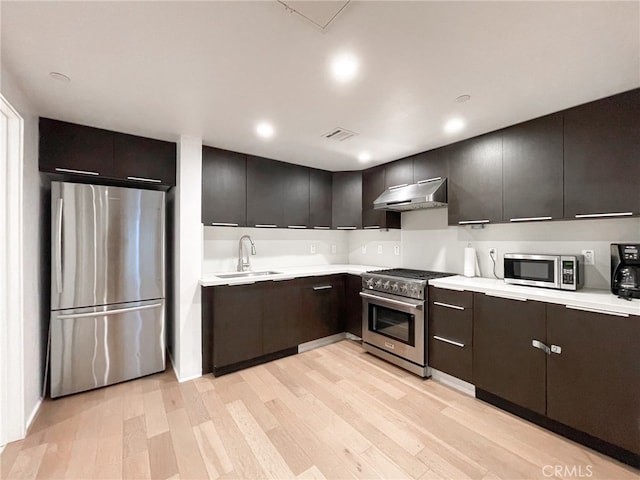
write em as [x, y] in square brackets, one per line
[162, 69]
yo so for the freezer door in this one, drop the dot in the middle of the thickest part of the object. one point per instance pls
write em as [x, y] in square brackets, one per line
[107, 245]
[98, 346]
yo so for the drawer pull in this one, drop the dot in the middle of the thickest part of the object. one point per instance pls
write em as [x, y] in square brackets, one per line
[506, 297]
[447, 305]
[222, 224]
[297, 227]
[529, 219]
[266, 225]
[322, 228]
[372, 227]
[596, 310]
[142, 179]
[71, 170]
[602, 215]
[346, 228]
[323, 287]
[450, 342]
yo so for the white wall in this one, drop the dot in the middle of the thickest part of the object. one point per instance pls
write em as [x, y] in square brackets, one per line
[429, 243]
[187, 331]
[275, 247]
[34, 323]
[365, 245]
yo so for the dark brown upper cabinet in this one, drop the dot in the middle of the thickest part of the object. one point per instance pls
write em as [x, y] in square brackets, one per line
[347, 200]
[224, 187]
[295, 186]
[475, 180]
[80, 152]
[431, 164]
[532, 170]
[372, 186]
[505, 363]
[592, 374]
[601, 156]
[67, 148]
[320, 187]
[399, 172]
[265, 192]
[144, 160]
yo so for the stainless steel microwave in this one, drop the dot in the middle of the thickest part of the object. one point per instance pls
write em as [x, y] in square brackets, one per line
[564, 272]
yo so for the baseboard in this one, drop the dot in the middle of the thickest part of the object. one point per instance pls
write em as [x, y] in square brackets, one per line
[175, 371]
[453, 382]
[321, 342]
[33, 415]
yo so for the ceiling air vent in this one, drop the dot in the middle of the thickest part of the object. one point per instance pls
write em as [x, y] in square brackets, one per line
[339, 134]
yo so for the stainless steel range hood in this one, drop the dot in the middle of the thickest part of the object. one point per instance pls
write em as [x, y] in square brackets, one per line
[425, 194]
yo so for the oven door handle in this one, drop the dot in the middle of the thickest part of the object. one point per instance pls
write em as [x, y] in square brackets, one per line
[389, 300]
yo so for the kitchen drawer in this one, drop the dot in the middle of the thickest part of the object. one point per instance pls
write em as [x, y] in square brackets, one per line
[456, 325]
[453, 359]
[451, 297]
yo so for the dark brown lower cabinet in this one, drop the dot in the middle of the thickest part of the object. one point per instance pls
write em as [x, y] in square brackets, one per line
[353, 305]
[505, 363]
[450, 327]
[281, 312]
[321, 307]
[593, 383]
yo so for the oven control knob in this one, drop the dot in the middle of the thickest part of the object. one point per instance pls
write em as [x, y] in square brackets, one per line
[370, 283]
[379, 283]
[414, 290]
[405, 289]
[395, 287]
[386, 285]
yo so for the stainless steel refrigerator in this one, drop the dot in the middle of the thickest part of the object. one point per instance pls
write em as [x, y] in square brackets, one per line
[107, 285]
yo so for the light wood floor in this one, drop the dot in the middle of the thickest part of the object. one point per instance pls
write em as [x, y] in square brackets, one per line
[335, 412]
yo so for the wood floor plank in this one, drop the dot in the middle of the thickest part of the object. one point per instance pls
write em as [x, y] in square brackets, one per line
[27, 463]
[154, 413]
[215, 457]
[135, 436]
[162, 457]
[190, 463]
[193, 403]
[108, 463]
[55, 461]
[136, 466]
[83, 458]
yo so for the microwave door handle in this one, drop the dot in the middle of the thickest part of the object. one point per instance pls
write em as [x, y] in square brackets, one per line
[558, 271]
[58, 240]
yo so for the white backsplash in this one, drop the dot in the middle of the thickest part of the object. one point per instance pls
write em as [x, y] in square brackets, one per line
[429, 243]
[275, 247]
[365, 245]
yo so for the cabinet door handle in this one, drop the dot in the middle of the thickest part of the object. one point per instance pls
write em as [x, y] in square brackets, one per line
[266, 225]
[450, 342]
[538, 344]
[556, 349]
[596, 310]
[420, 182]
[448, 305]
[599, 215]
[321, 228]
[506, 297]
[372, 227]
[298, 227]
[142, 179]
[346, 228]
[223, 224]
[472, 222]
[323, 287]
[529, 219]
[71, 170]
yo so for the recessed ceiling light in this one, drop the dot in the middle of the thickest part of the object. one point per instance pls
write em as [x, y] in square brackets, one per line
[364, 157]
[454, 125]
[59, 77]
[264, 130]
[463, 98]
[344, 67]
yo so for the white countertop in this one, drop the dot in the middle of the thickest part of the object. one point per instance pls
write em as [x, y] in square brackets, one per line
[211, 280]
[599, 300]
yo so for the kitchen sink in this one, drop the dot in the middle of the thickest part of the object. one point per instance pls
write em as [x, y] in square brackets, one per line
[247, 274]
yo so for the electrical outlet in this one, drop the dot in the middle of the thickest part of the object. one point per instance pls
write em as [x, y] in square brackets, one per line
[364, 249]
[589, 257]
[334, 249]
[313, 248]
[396, 249]
[379, 249]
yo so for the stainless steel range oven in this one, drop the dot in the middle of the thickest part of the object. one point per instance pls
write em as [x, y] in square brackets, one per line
[394, 316]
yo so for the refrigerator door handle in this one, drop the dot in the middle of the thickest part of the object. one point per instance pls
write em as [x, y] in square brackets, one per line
[109, 312]
[59, 246]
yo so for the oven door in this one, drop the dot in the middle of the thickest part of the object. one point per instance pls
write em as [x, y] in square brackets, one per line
[394, 324]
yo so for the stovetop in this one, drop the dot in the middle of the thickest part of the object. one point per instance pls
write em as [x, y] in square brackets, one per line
[402, 282]
[410, 273]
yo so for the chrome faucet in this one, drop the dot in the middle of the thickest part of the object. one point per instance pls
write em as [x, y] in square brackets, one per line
[243, 265]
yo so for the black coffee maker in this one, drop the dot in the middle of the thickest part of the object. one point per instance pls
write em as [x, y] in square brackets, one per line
[625, 270]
